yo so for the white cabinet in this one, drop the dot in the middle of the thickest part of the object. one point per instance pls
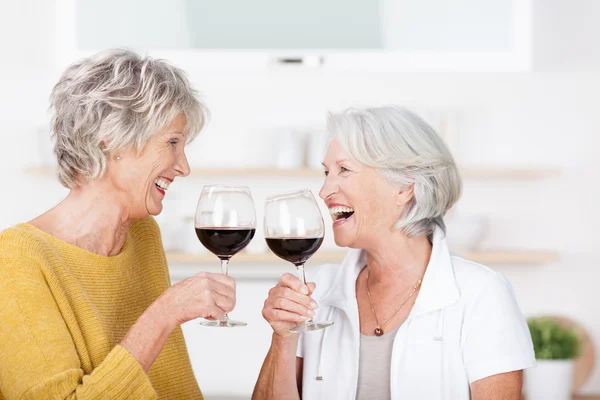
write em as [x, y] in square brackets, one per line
[337, 34]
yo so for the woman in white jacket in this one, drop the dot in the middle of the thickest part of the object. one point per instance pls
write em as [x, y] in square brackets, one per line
[411, 321]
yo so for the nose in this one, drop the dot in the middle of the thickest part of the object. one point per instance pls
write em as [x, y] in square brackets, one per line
[329, 188]
[182, 166]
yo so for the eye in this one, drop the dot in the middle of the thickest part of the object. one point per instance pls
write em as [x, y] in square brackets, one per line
[344, 169]
[173, 142]
[326, 173]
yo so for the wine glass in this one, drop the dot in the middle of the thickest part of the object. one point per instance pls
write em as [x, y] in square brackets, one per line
[225, 223]
[294, 232]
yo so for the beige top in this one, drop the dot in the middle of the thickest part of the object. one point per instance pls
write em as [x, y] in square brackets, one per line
[374, 366]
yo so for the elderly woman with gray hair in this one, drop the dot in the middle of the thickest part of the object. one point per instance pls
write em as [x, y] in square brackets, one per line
[87, 309]
[411, 321]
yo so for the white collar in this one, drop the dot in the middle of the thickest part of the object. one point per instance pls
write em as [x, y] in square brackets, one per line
[438, 289]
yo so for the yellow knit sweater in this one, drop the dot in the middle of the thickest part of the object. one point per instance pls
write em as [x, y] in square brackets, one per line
[64, 310]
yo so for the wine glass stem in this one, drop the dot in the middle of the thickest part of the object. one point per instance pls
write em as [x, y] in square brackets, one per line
[224, 265]
[302, 277]
[224, 270]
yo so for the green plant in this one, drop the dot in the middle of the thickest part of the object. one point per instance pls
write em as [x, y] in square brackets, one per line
[551, 341]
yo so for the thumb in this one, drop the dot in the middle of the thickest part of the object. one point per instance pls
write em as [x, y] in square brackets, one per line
[311, 287]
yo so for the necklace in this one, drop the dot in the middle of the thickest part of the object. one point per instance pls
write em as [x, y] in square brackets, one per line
[379, 330]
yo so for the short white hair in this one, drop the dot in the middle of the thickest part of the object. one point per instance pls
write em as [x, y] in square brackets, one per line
[406, 151]
[114, 100]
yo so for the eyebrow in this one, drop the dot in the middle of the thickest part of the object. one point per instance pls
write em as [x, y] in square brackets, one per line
[338, 162]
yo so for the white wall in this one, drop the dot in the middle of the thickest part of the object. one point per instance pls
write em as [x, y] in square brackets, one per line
[548, 117]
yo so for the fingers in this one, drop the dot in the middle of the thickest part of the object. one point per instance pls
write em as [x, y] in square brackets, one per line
[224, 279]
[219, 283]
[221, 278]
[292, 288]
[213, 294]
[224, 303]
[275, 315]
[284, 304]
[289, 280]
[290, 294]
[288, 303]
[222, 289]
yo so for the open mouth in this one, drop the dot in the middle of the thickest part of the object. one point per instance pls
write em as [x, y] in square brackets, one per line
[162, 184]
[340, 213]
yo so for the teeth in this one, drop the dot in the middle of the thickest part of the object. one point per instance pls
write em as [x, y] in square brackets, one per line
[339, 210]
[162, 183]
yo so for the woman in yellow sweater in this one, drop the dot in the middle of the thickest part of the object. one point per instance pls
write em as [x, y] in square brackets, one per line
[87, 310]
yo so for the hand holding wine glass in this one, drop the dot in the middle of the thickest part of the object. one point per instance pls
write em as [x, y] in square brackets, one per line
[204, 295]
[289, 304]
[294, 231]
[225, 223]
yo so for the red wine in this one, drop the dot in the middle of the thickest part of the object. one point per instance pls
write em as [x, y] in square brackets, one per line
[294, 250]
[225, 242]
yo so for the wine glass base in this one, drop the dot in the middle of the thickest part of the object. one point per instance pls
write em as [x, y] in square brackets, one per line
[312, 326]
[223, 324]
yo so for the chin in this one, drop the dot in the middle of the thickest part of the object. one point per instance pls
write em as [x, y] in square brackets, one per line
[153, 208]
[343, 241]
[155, 211]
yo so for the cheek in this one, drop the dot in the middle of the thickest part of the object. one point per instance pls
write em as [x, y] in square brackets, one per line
[126, 177]
[148, 173]
[377, 207]
[135, 179]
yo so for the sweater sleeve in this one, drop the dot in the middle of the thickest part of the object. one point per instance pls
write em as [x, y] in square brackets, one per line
[38, 358]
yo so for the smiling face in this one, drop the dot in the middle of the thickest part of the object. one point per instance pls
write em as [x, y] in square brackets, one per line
[364, 206]
[144, 178]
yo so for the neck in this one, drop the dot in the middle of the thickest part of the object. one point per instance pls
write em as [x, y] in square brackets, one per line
[398, 259]
[91, 217]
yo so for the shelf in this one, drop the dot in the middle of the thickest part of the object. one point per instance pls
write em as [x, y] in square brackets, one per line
[468, 172]
[517, 173]
[336, 256]
[267, 266]
[511, 257]
[39, 171]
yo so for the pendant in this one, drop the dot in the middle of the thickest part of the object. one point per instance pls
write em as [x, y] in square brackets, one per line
[378, 331]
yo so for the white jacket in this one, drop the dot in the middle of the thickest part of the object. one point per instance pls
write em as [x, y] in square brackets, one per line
[465, 325]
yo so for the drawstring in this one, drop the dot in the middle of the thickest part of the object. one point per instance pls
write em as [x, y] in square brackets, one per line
[439, 330]
[319, 376]
[439, 336]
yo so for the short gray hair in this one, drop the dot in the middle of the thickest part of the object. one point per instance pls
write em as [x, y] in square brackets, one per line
[113, 100]
[406, 151]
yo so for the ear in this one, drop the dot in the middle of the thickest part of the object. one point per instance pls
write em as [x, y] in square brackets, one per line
[104, 148]
[116, 156]
[405, 195]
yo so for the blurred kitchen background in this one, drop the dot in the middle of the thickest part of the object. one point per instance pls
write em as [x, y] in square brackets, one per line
[512, 85]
